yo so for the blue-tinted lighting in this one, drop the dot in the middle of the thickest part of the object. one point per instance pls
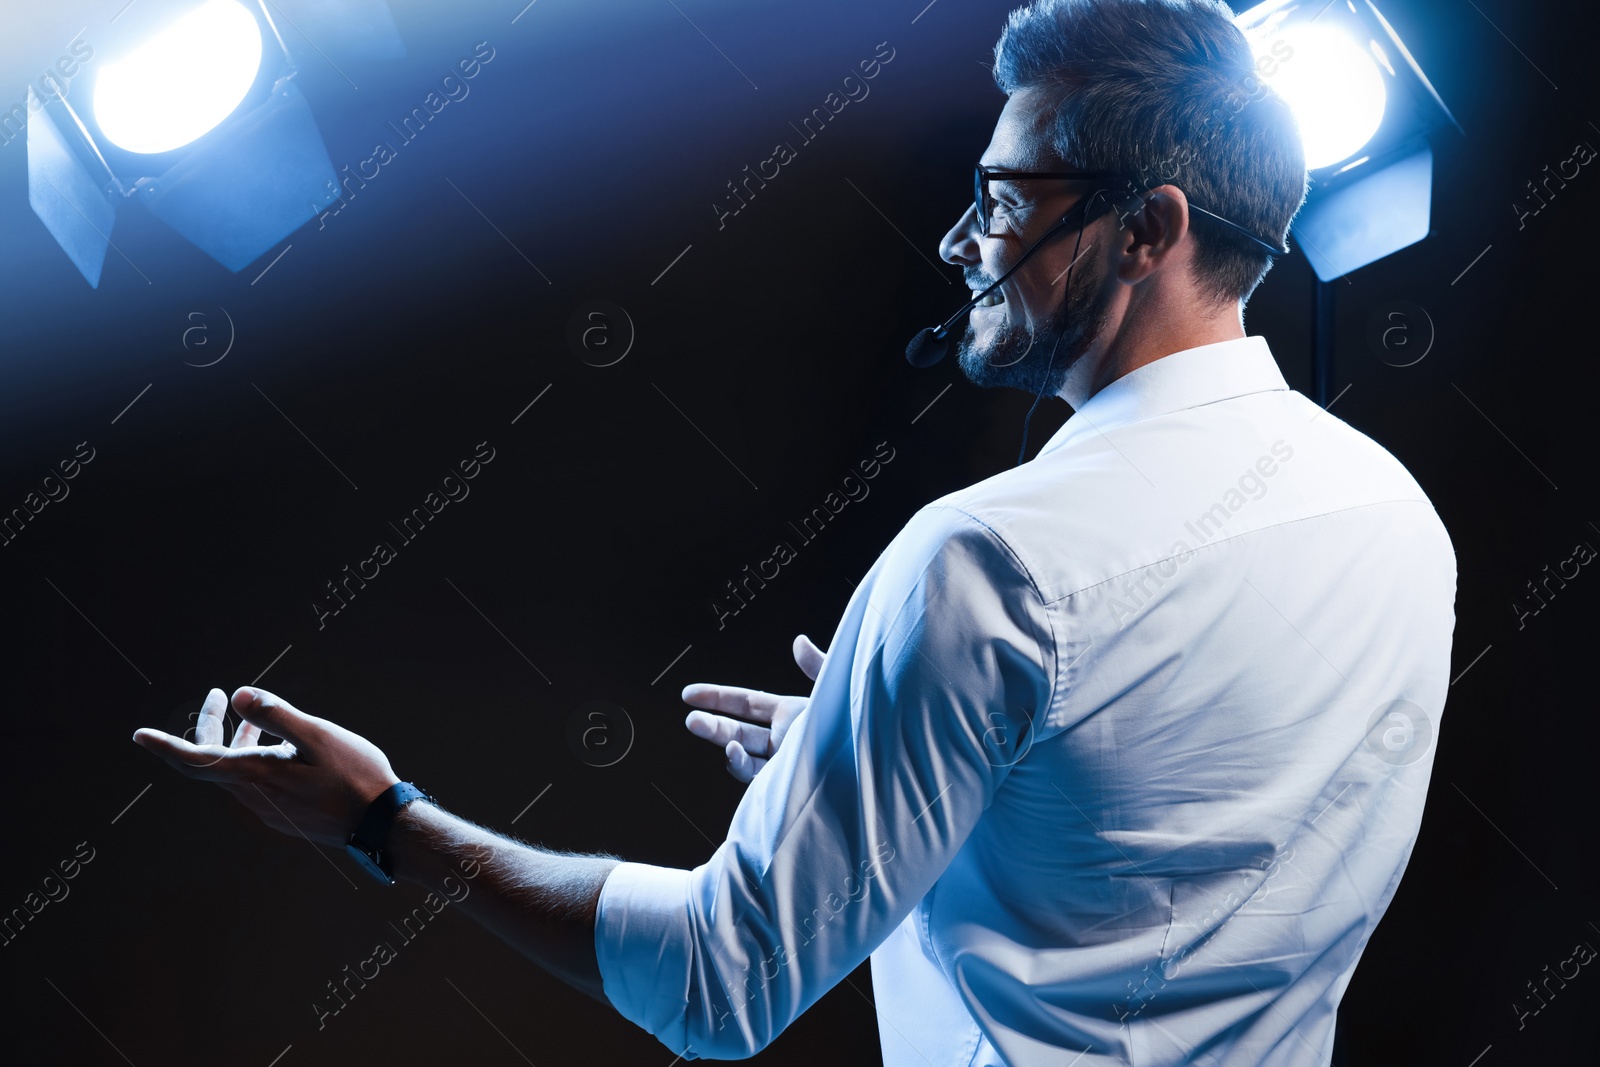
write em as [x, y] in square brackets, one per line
[182, 82]
[1333, 86]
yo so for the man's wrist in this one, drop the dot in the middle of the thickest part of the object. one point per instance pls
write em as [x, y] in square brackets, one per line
[371, 794]
[416, 848]
[368, 844]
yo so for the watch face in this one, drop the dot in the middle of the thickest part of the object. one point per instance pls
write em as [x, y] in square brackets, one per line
[368, 864]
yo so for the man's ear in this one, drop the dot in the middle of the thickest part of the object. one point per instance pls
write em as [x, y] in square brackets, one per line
[1156, 223]
[1127, 202]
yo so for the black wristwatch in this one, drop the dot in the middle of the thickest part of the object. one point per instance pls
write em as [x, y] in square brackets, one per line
[366, 845]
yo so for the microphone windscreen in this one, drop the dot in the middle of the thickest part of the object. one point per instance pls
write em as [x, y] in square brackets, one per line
[927, 348]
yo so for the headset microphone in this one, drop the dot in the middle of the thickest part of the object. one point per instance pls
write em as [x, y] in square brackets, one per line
[932, 344]
[928, 347]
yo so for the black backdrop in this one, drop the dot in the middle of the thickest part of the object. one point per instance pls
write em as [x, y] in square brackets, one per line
[383, 346]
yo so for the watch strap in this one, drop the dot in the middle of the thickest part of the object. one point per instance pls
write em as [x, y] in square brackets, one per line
[373, 829]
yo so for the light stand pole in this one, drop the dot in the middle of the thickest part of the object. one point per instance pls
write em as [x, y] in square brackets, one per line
[1322, 321]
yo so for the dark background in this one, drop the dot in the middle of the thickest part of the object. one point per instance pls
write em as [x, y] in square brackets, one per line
[383, 347]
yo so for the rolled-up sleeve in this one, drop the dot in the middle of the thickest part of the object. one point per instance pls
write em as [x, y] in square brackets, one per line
[935, 678]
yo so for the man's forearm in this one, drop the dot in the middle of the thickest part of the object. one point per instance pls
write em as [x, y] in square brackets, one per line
[541, 903]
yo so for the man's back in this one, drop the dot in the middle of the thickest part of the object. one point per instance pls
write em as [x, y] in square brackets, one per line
[1251, 607]
[1116, 757]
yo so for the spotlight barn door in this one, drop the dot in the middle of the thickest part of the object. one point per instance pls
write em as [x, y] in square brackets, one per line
[251, 184]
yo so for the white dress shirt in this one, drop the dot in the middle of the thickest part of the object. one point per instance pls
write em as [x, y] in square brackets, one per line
[1121, 752]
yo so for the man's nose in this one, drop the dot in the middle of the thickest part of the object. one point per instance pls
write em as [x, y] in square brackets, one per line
[960, 245]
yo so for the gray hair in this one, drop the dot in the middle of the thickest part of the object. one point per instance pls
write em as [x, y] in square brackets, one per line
[1167, 91]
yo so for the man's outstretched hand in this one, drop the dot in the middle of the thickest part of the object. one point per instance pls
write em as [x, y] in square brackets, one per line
[749, 745]
[318, 781]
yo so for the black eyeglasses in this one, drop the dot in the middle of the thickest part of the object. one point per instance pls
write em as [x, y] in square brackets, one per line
[985, 203]
[982, 176]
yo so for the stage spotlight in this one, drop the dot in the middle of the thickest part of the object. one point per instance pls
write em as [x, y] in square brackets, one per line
[182, 82]
[1335, 90]
[1365, 111]
[197, 116]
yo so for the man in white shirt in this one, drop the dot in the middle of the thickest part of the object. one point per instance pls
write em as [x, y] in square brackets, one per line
[1115, 757]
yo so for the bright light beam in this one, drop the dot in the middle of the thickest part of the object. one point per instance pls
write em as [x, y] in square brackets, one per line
[180, 83]
[1333, 86]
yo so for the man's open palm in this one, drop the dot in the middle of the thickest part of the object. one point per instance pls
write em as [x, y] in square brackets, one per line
[316, 782]
[752, 738]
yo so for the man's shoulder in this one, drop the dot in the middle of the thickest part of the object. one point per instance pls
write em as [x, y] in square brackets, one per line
[1105, 503]
[996, 524]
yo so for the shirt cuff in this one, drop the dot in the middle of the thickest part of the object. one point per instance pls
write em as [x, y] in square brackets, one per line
[642, 938]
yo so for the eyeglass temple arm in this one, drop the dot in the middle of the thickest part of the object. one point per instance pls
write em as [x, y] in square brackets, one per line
[1271, 249]
[1265, 245]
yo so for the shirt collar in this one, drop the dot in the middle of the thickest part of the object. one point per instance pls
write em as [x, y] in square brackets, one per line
[1184, 379]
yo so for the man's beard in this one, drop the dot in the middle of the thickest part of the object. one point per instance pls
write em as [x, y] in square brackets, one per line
[1018, 358]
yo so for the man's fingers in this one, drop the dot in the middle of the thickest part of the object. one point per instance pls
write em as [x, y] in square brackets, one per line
[196, 761]
[213, 712]
[741, 764]
[731, 700]
[273, 714]
[247, 735]
[723, 731]
[808, 656]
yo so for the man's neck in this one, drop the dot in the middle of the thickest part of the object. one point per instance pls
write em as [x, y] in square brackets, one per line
[1131, 349]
